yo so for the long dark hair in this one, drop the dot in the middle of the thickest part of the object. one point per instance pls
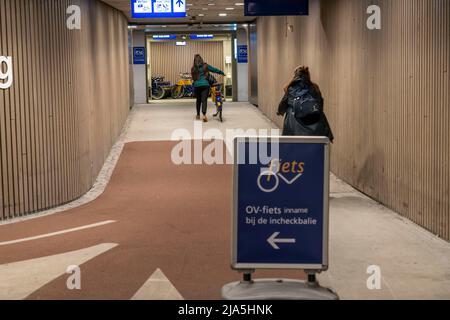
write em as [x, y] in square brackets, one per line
[302, 72]
[198, 63]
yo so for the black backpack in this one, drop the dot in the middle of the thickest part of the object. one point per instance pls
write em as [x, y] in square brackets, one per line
[305, 115]
[306, 103]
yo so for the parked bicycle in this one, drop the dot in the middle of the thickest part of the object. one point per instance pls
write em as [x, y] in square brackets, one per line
[160, 88]
[184, 87]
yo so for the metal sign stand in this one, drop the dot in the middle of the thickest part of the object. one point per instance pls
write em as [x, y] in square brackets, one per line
[279, 289]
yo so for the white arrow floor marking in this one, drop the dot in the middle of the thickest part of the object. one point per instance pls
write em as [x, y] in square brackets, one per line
[158, 287]
[47, 235]
[20, 279]
[273, 240]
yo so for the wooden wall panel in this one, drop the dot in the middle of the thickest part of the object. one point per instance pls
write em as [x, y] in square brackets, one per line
[67, 104]
[170, 60]
[386, 96]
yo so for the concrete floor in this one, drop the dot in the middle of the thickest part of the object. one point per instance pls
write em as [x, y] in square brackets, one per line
[158, 121]
[414, 264]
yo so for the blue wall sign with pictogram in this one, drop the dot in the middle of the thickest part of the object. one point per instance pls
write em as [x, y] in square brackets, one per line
[145, 9]
[139, 55]
[281, 203]
[242, 55]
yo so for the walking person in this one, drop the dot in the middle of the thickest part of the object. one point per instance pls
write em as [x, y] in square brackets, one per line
[201, 74]
[302, 106]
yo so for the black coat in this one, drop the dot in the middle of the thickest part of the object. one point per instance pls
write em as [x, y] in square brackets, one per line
[317, 126]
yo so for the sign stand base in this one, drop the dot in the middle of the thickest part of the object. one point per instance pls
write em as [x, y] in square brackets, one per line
[277, 289]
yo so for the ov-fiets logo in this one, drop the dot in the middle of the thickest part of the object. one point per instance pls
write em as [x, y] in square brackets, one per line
[269, 179]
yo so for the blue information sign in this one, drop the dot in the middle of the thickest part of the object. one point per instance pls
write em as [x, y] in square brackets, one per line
[242, 54]
[139, 55]
[158, 9]
[276, 7]
[281, 205]
[201, 36]
[164, 37]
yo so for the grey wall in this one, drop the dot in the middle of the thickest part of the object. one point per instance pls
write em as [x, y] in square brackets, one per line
[253, 63]
[139, 71]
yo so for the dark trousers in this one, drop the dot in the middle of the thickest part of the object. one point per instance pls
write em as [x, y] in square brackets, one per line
[202, 94]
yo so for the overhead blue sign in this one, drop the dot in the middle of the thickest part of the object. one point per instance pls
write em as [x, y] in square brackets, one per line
[164, 37]
[281, 204]
[145, 9]
[201, 36]
[276, 7]
[242, 56]
[139, 55]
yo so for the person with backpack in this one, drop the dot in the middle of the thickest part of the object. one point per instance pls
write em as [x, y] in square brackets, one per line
[302, 106]
[202, 83]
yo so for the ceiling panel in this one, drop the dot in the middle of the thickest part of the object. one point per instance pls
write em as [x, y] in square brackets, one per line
[206, 11]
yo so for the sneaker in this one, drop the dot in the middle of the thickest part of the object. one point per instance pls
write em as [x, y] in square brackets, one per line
[205, 119]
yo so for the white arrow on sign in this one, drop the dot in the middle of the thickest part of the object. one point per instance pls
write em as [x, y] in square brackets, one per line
[273, 240]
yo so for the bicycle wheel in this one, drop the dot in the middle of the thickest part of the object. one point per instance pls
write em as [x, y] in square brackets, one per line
[184, 92]
[268, 182]
[219, 106]
[190, 92]
[217, 109]
[159, 93]
[177, 92]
